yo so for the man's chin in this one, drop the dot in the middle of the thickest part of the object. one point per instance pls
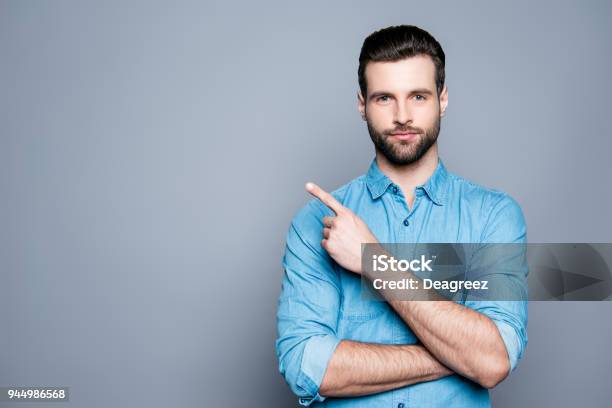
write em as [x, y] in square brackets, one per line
[403, 155]
[401, 160]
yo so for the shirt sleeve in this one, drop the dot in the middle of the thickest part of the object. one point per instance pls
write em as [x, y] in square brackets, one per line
[308, 307]
[501, 260]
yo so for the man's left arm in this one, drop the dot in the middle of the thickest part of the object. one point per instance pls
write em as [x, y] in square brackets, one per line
[465, 340]
[483, 339]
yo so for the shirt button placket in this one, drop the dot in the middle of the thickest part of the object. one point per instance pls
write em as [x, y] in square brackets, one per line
[395, 190]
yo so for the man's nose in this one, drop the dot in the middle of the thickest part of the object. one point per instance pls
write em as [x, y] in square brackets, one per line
[403, 113]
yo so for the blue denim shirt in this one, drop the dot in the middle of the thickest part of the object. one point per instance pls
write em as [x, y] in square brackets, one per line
[321, 303]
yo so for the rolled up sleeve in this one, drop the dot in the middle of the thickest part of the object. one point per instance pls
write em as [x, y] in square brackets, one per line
[308, 307]
[505, 267]
[510, 317]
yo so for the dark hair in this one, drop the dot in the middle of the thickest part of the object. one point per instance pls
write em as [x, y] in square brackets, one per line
[396, 43]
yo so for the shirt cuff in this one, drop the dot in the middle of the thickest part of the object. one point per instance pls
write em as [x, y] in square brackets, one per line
[317, 353]
[511, 341]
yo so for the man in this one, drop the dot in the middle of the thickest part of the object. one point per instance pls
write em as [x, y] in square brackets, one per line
[335, 346]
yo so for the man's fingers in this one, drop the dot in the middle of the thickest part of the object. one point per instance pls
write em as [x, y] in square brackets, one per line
[326, 232]
[328, 221]
[325, 197]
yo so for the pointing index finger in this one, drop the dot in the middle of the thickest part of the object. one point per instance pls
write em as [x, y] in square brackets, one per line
[325, 197]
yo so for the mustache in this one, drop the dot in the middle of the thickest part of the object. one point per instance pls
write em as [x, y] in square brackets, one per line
[404, 129]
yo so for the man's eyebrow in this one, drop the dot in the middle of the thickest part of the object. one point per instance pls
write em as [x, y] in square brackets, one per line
[412, 92]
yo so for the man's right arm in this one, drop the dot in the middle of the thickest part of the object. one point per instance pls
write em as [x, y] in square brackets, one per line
[363, 368]
[308, 347]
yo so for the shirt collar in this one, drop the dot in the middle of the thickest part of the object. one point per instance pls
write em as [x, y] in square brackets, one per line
[435, 186]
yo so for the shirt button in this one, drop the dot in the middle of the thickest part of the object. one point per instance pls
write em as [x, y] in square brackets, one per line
[395, 190]
[406, 222]
[400, 405]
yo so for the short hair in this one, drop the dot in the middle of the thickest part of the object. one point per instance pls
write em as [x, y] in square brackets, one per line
[396, 43]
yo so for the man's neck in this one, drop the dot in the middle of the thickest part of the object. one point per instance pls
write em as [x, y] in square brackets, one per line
[409, 176]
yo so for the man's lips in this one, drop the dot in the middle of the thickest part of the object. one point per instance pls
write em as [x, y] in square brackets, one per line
[404, 135]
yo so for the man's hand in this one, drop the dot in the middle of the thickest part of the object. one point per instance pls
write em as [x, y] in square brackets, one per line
[344, 233]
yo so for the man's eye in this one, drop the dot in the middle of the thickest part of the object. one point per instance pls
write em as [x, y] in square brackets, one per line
[383, 98]
[419, 97]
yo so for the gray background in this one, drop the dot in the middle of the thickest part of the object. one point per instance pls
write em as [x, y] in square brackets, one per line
[153, 153]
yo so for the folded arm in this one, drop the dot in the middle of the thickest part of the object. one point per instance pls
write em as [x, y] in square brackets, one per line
[463, 339]
[314, 361]
[480, 339]
[363, 368]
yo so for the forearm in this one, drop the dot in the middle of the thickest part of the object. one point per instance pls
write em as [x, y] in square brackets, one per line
[466, 341]
[363, 368]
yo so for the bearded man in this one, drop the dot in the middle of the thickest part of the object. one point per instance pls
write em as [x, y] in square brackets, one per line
[336, 348]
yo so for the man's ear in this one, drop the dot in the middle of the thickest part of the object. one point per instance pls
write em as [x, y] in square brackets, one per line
[361, 105]
[443, 100]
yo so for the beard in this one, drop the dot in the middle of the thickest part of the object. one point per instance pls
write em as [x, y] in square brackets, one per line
[403, 152]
